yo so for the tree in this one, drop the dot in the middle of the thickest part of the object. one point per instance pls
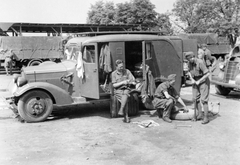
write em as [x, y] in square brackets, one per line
[204, 15]
[123, 13]
[134, 12]
[101, 13]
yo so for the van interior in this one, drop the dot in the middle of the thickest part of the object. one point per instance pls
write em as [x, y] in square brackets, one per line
[133, 61]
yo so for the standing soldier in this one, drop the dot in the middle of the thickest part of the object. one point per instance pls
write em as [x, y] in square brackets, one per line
[199, 74]
[9, 56]
[207, 56]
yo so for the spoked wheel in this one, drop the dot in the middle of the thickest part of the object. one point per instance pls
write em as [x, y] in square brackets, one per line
[35, 106]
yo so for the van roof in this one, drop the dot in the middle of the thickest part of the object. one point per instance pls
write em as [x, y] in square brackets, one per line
[116, 38]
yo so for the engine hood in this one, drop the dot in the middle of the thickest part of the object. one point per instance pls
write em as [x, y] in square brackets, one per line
[51, 67]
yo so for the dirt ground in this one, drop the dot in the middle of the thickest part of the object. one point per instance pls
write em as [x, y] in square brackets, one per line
[87, 135]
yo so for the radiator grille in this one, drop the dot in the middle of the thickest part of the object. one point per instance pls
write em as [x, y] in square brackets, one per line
[230, 71]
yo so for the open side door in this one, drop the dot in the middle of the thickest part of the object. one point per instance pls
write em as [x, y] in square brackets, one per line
[90, 83]
[167, 60]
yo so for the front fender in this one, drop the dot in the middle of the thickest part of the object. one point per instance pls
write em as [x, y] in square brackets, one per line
[60, 96]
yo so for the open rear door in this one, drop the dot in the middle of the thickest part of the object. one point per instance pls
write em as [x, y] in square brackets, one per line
[90, 83]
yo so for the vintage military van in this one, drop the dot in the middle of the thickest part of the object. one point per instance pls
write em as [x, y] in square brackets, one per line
[226, 74]
[84, 80]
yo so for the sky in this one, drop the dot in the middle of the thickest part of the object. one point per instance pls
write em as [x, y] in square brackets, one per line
[58, 11]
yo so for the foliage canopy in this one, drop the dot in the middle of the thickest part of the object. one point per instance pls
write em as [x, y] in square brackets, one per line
[140, 12]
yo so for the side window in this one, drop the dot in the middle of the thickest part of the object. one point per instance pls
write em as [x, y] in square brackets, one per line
[148, 51]
[71, 53]
[89, 54]
[75, 53]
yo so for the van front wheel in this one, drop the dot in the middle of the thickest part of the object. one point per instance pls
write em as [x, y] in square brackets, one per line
[35, 106]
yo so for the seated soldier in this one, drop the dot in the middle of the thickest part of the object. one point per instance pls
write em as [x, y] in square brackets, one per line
[122, 79]
[165, 98]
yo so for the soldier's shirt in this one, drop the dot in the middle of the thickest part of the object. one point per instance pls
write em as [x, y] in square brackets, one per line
[121, 76]
[198, 69]
[208, 59]
[165, 87]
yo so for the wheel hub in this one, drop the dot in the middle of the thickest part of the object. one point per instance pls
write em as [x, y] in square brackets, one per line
[36, 107]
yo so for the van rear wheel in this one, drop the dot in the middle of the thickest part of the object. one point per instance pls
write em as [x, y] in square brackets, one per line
[35, 106]
[222, 90]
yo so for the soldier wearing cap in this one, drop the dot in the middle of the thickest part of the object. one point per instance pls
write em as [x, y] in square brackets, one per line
[122, 79]
[199, 74]
[165, 98]
[207, 57]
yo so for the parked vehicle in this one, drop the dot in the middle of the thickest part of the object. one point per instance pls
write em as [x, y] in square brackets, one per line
[39, 87]
[184, 45]
[219, 46]
[226, 74]
[32, 50]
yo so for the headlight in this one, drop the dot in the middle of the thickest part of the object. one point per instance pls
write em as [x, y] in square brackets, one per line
[21, 81]
[15, 77]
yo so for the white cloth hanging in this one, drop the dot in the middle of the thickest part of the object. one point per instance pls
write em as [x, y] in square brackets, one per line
[80, 66]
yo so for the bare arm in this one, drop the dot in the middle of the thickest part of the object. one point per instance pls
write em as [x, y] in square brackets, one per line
[202, 79]
[118, 84]
[167, 94]
[182, 103]
[191, 78]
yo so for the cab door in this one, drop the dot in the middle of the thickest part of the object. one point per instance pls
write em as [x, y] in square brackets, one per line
[90, 83]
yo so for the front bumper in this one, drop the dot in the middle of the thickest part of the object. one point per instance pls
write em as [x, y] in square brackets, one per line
[226, 85]
[10, 101]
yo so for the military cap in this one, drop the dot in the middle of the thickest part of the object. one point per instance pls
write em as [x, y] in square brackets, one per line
[171, 77]
[189, 55]
[118, 62]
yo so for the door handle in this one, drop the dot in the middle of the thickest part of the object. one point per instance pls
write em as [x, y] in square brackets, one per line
[94, 70]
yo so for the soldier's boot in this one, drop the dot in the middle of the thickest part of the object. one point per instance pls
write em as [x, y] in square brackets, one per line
[167, 111]
[160, 112]
[200, 113]
[205, 119]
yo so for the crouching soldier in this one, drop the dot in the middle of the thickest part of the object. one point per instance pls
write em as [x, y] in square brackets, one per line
[165, 98]
[122, 79]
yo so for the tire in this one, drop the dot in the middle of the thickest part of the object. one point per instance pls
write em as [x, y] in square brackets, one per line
[183, 116]
[222, 90]
[29, 103]
[34, 62]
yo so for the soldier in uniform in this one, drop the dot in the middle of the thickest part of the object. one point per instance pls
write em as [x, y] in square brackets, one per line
[9, 56]
[122, 79]
[165, 98]
[199, 74]
[207, 56]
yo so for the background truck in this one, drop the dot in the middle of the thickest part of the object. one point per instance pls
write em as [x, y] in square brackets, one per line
[219, 46]
[32, 50]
